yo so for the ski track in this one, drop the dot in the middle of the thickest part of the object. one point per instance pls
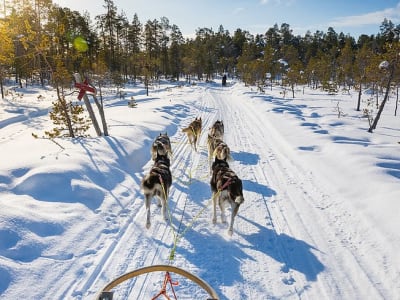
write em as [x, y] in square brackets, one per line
[115, 260]
[284, 172]
[291, 216]
[271, 185]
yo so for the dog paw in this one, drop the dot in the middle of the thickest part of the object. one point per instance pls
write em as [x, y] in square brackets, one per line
[214, 221]
[230, 232]
[148, 225]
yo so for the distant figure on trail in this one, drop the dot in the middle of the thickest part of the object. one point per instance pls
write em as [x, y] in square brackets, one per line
[224, 80]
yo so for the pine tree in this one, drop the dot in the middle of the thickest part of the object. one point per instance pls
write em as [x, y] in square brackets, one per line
[68, 119]
[6, 53]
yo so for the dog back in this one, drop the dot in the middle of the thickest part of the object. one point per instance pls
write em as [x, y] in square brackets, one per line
[159, 174]
[217, 130]
[221, 150]
[196, 125]
[224, 178]
[219, 167]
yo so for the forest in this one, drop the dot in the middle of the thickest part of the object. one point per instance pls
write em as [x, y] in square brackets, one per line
[44, 43]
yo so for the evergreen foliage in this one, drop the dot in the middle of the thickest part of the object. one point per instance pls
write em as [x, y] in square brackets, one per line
[39, 47]
[69, 120]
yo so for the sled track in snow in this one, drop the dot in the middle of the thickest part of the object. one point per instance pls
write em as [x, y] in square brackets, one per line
[236, 124]
[114, 260]
[283, 170]
[288, 217]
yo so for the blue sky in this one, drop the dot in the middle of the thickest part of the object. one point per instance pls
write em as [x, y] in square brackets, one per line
[256, 16]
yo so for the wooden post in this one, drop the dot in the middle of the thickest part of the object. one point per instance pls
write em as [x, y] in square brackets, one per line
[89, 108]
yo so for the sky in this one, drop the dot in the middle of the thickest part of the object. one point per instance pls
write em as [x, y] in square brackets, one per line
[352, 17]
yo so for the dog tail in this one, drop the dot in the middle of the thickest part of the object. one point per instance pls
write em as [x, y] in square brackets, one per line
[236, 190]
[239, 199]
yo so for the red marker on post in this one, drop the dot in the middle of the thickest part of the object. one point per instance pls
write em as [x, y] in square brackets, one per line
[83, 88]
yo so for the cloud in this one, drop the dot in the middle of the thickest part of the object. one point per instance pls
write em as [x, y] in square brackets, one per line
[372, 18]
[278, 2]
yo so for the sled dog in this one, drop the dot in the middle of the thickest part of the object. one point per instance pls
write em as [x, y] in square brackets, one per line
[226, 188]
[157, 184]
[217, 130]
[215, 138]
[165, 149]
[193, 132]
[217, 148]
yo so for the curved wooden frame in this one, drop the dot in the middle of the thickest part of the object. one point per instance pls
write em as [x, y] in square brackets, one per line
[157, 268]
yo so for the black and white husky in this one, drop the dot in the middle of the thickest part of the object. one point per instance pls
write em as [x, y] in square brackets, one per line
[217, 148]
[215, 139]
[157, 184]
[166, 149]
[226, 188]
[217, 130]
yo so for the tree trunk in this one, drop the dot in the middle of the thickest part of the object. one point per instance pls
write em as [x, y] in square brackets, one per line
[378, 115]
[397, 101]
[101, 112]
[2, 88]
[293, 90]
[359, 97]
[65, 112]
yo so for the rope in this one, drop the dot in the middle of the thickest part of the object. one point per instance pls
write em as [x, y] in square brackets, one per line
[163, 291]
[178, 236]
[166, 203]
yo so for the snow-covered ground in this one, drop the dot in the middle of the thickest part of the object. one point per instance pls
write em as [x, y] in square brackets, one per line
[320, 218]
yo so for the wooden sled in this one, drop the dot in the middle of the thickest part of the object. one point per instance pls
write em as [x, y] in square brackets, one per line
[107, 294]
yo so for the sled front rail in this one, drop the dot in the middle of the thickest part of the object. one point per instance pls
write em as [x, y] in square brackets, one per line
[107, 294]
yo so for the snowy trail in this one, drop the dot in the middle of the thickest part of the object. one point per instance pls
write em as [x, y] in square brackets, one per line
[298, 234]
[145, 249]
[300, 240]
[311, 232]
[251, 141]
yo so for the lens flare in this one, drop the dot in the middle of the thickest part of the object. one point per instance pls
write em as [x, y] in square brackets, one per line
[80, 44]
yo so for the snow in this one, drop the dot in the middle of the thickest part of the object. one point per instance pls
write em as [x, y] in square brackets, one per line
[319, 221]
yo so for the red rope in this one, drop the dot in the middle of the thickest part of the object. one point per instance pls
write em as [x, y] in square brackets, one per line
[167, 279]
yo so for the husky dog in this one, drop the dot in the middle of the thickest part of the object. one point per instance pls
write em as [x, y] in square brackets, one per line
[226, 187]
[157, 184]
[164, 141]
[214, 138]
[217, 148]
[222, 151]
[193, 132]
[217, 130]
